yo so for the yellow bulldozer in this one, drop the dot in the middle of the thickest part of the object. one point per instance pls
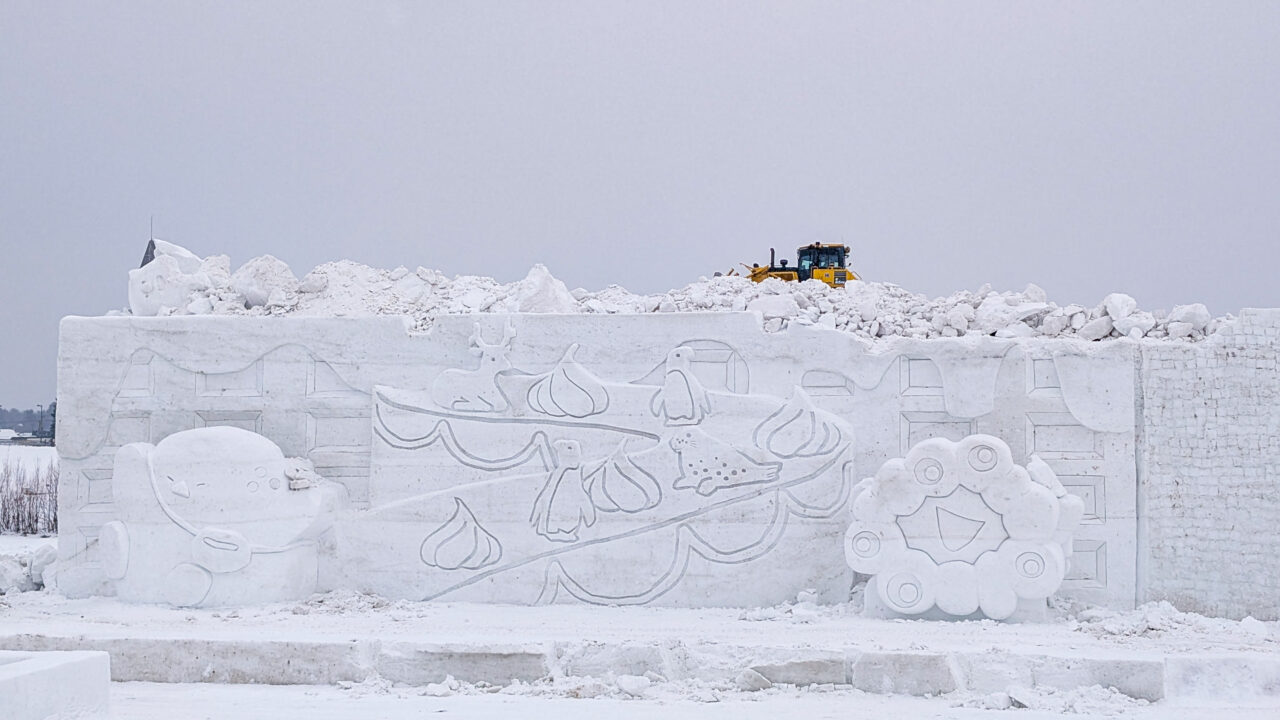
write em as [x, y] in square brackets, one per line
[816, 261]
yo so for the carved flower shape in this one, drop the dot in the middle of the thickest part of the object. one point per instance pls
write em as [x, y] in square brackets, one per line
[960, 526]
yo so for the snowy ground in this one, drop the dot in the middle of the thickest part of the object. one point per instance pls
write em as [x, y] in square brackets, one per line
[148, 701]
[376, 658]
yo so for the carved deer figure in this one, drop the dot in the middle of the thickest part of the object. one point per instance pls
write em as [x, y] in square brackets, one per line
[477, 390]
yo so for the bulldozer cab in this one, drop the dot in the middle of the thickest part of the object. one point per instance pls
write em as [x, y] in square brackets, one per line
[819, 257]
[825, 263]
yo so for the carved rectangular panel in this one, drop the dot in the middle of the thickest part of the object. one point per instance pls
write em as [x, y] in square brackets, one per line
[1088, 564]
[87, 544]
[1092, 490]
[250, 420]
[920, 376]
[245, 383]
[128, 428]
[1059, 436]
[822, 383]
[1042, 378]
[97, 486]
[339, 429]
[920, 425]
[139, 380]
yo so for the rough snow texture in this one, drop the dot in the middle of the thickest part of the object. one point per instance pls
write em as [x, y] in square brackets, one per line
[180, 284]
[1211, 454]
[26, 563]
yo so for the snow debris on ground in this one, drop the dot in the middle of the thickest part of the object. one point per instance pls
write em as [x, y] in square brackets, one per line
[26, 563]
[1092, 700]
[1162, 619]
[181, 283]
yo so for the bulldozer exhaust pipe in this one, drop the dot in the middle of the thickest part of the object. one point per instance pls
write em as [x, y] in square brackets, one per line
[773, 260]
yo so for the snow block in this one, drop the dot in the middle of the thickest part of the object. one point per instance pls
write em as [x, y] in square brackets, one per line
[41, 685]
[902, 673]
[419, 663]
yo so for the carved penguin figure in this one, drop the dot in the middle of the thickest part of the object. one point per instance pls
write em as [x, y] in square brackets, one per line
[564, 504]
[682, 399]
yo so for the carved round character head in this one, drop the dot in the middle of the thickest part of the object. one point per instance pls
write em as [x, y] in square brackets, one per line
[568, 453]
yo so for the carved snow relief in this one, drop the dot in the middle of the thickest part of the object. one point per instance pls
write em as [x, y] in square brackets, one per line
[592, 490]
[960, 527]
[215, 516]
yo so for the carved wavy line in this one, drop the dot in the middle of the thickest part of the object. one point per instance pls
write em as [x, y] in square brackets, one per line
[124, 373]
[442, 432]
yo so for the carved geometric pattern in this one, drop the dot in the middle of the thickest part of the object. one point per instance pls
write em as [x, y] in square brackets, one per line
[959, 527]
[1059, 436]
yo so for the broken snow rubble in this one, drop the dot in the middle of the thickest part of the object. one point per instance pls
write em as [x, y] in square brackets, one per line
[178, 282]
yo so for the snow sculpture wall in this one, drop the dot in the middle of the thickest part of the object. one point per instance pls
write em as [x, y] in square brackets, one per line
[664, 459]
[960, 526]
[1211, 462]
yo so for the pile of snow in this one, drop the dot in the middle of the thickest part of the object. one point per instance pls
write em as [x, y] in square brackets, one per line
[1091, 700]
[1161, 619]
[177, 282]
[26, 563]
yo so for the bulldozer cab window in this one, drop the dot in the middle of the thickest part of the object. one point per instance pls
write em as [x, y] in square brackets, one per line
[830, 259]
[821, 258]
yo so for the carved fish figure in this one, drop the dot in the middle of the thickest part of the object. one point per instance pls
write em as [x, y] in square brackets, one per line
[564, 505]
[709, 465]
[682, 399]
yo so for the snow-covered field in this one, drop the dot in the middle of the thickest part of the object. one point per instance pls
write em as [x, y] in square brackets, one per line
[30, 459]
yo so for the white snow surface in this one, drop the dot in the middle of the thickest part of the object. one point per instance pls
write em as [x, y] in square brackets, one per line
[866, 309]
[151, 701]
[610, 644]
[29, 458]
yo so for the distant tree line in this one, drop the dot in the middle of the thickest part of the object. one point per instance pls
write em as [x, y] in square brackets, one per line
[30, 420]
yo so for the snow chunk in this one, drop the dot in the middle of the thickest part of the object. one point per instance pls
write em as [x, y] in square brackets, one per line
[541, 292]
[1196, 315]
[1140, 321]
[750, 681]
[1097, 328]
[633, 685]
[256, 279]
[775, 306]
[1119, 305]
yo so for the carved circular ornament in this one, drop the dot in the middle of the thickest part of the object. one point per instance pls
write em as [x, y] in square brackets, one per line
[959, 526]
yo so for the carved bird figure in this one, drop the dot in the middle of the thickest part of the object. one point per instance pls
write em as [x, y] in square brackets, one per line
[563, 506]
[682, 399]
[708, 464]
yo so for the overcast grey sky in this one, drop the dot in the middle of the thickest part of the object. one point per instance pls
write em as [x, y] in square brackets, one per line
[1084, 146]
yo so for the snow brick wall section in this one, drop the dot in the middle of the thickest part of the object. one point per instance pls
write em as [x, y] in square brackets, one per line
[1210, 471]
